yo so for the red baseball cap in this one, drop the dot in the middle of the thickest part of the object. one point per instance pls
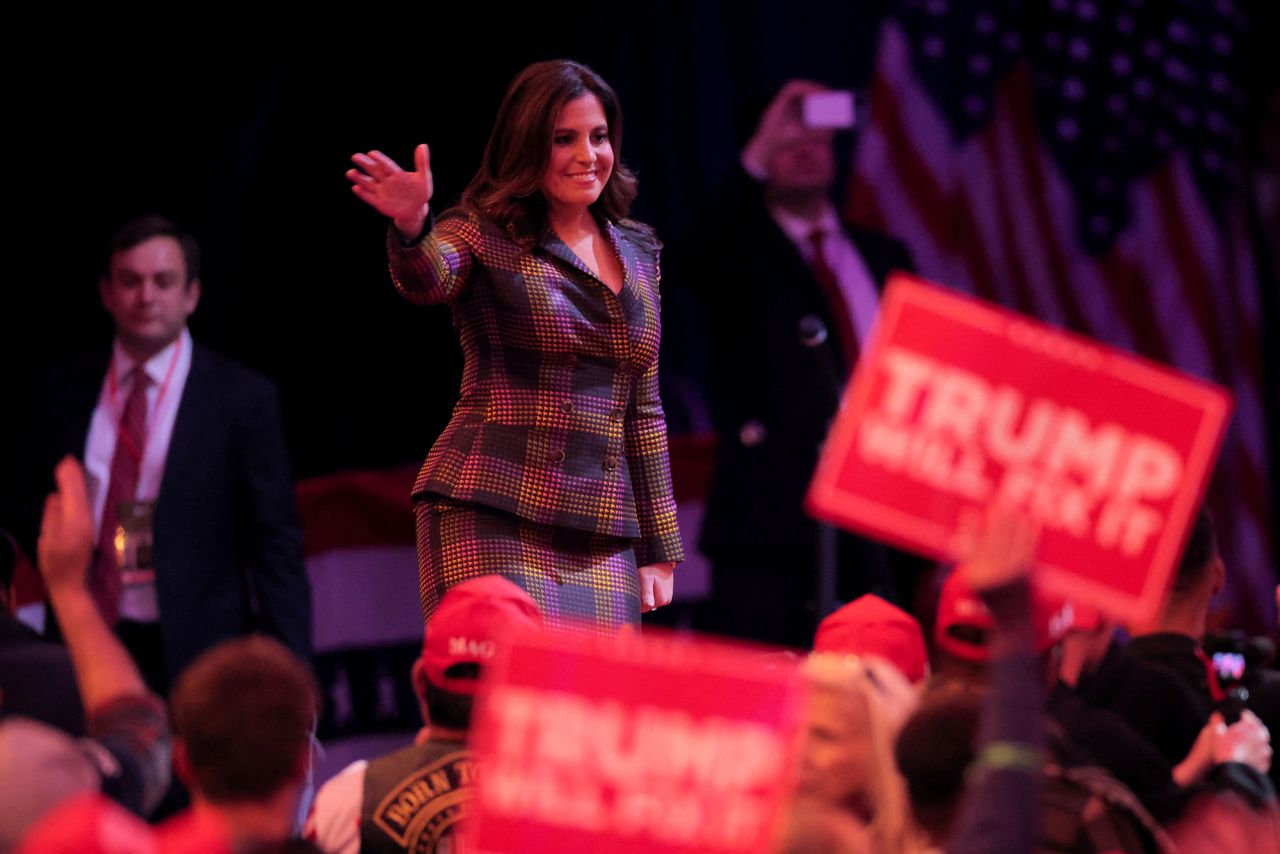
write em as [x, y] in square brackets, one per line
[963, 621]
[870, 625]
[470, 625]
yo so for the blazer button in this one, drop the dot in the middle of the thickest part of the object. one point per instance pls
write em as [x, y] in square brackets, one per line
[566, 407]
[611, 463]
[624, 365]
[557, 456]
[615, 415]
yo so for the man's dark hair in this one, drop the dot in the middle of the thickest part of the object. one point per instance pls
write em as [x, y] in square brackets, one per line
[245, 711]
[935, 749]
[450, 709]
[1201, 549]
[144, 228]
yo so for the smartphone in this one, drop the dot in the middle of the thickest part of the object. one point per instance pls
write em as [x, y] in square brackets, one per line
[1229, 666]
[834, 110]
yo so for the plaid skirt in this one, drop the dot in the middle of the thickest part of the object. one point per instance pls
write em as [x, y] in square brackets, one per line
[578, 578]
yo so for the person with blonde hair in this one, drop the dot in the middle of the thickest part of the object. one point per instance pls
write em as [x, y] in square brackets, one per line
[856, 707]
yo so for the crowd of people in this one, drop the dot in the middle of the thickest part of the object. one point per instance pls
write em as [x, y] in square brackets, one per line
[1020, 723]
[177, 710]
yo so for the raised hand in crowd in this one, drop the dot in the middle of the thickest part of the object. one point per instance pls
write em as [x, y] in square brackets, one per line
[65, 545]
[1246, 741]
[781, 125]
[999, 558]
[130, 761]
[999, 808]
[104, 670]
[402, 196]
[1001, 551]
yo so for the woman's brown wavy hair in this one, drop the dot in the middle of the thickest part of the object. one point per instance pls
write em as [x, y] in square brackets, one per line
[507, 190]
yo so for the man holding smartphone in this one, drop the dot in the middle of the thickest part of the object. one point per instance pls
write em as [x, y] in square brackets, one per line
[1175, 641]
[791, 292]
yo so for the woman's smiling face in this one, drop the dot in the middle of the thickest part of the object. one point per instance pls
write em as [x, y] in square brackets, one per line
[581, 156]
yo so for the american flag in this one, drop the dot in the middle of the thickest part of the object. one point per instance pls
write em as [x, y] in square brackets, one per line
[1079, 161]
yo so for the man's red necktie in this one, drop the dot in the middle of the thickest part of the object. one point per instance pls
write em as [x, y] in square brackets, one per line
[126, 462]
[826, 278]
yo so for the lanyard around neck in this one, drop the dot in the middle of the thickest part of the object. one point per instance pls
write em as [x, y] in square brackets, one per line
[113, 386]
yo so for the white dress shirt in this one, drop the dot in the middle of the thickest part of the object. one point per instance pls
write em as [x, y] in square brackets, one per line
[168, 371]
[861, 297]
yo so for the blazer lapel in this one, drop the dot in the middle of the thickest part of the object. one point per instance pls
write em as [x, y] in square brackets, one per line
[557, 248]
[192, 412]
[82, 393]
[625, 252]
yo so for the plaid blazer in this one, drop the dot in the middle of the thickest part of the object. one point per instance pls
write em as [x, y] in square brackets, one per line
[558, 420]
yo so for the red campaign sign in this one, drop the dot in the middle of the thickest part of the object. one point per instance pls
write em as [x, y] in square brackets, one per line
[958, 403]
[654, 743]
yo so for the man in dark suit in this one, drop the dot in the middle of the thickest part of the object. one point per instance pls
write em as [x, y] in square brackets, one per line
[790, 291]
[198, 538]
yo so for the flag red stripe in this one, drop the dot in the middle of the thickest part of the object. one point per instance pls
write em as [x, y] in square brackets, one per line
[928, 199]
[1019, 91]
[980, 265]
[1125, 283]
[862, 204]
[1015, 271]
[1193, 279]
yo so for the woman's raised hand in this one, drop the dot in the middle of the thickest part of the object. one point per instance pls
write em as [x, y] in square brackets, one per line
[383, 185]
